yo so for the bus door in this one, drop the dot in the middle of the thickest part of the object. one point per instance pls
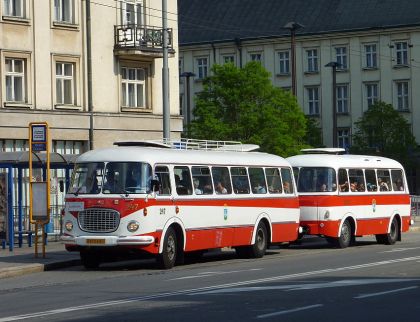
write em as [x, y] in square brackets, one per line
[164, 196]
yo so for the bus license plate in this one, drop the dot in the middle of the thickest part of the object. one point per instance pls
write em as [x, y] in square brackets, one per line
[97, 241]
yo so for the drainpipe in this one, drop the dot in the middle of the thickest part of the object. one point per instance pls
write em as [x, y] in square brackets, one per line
[238, 44]
[89, 72]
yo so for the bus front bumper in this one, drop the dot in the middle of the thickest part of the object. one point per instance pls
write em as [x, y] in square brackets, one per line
[107, 240]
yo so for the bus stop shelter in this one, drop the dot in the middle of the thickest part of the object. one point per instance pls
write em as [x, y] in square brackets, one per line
[13, 165]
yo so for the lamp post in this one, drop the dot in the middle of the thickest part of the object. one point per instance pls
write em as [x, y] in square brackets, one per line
[334, 66]
[293, 26]
[187, 76]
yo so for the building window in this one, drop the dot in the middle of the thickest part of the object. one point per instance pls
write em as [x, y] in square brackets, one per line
[64, 11]
[64, 74]
[202, 67]
[15, 80]
[371, 94]
[14, 8]
[313, 100]
[132, 12]
[133, 87]
[68, 147]
[256, 57]
[228, 59]
[371, 56]
[284, 62]
[343, 138]
[342, 99]
[312, 56]
[341, 57]
[401, 53]
[402, 96]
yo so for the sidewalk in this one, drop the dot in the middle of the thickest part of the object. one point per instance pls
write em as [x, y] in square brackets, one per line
[22, 260]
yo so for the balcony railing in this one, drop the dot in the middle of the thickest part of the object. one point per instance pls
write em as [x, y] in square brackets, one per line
[142, 38]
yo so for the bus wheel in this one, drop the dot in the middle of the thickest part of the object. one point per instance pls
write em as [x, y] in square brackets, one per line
[90, 259]
[392, 237]
[260, 246]
[167, 259]
[345, 236]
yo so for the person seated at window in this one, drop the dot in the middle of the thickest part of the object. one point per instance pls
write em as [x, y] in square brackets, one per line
[344, 187]
[197, 190]
[361, 187]
[383, 186]
[259, 188]
[286, 187]
[399, 185]
[220, 189]
[111, 185]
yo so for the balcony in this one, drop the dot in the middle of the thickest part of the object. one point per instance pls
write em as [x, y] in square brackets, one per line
[133, 40]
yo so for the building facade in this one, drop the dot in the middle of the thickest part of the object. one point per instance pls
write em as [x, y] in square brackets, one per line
[45, 71]
[376, 48]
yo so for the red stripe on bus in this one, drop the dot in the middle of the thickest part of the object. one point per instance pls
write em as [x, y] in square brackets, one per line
[353, 200]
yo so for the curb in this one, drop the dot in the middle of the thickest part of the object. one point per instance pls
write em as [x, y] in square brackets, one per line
[21, 270]
[63, 264]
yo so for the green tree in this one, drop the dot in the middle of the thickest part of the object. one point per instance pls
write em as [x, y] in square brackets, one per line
[313, 136]
[384, 131]
[243, 105]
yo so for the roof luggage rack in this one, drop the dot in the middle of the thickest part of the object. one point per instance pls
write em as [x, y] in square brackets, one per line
[193, 144]
[324, 151]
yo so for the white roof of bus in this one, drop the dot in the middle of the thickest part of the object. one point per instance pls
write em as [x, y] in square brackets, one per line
[154, 155]
[342, 161]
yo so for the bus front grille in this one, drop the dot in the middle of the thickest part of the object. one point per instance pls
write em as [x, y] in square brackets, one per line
[99, 220]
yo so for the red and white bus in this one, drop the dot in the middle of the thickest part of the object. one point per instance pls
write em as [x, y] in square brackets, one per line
[345, 196]
[170, 202]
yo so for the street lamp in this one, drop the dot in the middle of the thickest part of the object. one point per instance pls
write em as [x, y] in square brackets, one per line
[187, 76]
[334, 66]
[293, 26]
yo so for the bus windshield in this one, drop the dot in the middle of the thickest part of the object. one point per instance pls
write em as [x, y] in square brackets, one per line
[113, 177]
[311, 179]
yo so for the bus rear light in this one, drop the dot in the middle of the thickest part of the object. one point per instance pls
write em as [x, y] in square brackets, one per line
[145, 211]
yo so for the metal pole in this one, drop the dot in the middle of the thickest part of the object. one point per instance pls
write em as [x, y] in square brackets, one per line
[11, 223]
[188, 105]
[165, 74]
[89, 72]
[334, 69]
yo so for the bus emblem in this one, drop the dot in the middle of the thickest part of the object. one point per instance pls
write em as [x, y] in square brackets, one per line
[225, 212]
[374, 205]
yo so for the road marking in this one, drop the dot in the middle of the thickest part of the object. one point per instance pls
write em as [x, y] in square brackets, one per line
[203, 289]
[269, 315]
[399, 249]
[362, 296]
[309, 286]
[206, 274]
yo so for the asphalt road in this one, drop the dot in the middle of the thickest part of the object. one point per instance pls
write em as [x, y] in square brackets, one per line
[311, 281]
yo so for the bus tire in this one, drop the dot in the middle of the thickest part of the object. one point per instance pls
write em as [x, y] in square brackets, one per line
[167, 258]
[257, 250]
[345, 238]
[392, 236]
[90, 259]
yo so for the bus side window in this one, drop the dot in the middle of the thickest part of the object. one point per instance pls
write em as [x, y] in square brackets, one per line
[256, 176]
[357, 180]
[240, 180]
[384, 180]
[343, 180]
[202, 180]
[286, 177]
[162, 172]
[273, 180]
[397, 180]
[221, 180]
[371, 183]
[183, 180]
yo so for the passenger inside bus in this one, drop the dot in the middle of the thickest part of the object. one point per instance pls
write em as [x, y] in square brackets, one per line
[220, 189]
[197, 190]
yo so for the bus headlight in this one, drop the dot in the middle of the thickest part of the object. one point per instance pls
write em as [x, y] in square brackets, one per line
[69, 226]
[327, 215]
[133, 226]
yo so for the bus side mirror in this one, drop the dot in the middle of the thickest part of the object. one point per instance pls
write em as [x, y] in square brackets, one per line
[155, 185]
[61, 185]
